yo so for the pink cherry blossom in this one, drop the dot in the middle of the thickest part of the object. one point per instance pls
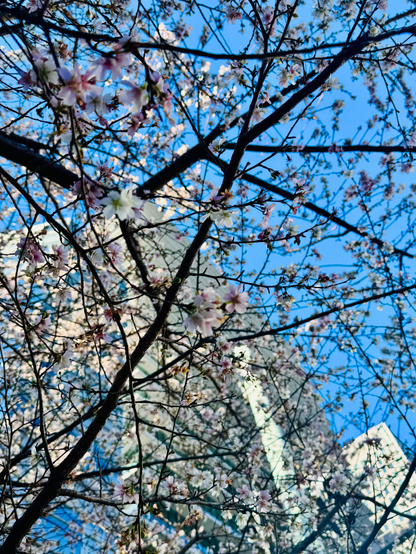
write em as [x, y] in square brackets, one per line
[25, 79]
[60, 257]
[125, 492]
[236, 300]
[102, 335]
[43, 324]
[114, 63]
[105, 170]
[34, 5]
[77, 84]
[134, 124]
[91, 189]
[136, 96]
[267, 212]
[264, 501]
[97, 102]
[225, 369]
[206, 315]
[204, 321]
[114, 250]
[30, 252]
[232, 14]
[244, 493]
[112, 314]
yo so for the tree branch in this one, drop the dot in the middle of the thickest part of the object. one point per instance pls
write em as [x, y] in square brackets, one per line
[378, 526]
[43, 166]
[321, 149]
[341, 308]
[316, 209]
[34, 19]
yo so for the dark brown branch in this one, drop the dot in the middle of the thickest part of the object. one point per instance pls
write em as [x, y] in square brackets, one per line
[63, 432]
[309, 89]
[134, 249]
[94, 499]
[313, 317]
[381, 505]
[302, 546]
[108, 471]
[23, 156]
[12, 147]
[15, 152]
[323, 149]
[34, 19]
[378, 526]
[402, 538]
[159, 180]
[316, 209]
[320, 211]
[190, 543]
[8, 30]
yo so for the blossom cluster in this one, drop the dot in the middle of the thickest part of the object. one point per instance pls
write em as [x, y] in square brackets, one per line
[207, 314]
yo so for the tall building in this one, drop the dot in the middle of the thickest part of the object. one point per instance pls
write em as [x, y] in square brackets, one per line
[377, 456]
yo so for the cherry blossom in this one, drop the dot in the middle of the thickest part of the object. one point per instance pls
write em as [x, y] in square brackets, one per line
[289, 75]
[232, 14]
[263, 502]
[30, 252]
[236, 300]
[244, 493]
[206, 316]
[34, 5]
[289, 227]
[91, 189]
[125, 492]
[59, 259]
[96, 101]
[204, 354]
[44, 70]
[105, 170]
[113, 63]
[77, 84]
[124, 204]
[242, 520]
[43, 324]
[223, 217]
[115, 250]
[135, 96]
[267, 212]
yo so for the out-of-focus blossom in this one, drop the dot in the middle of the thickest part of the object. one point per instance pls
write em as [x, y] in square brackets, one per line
[91, 190]
[267, 212]
[114, 251]
[125, 492]
[96, 101]
[59, 258]
[77, 84]
[135, 96]
[114, 64]
[236, 300]
[206, 315]
[289, 227]
[232, 15]
[123, 204]
[30, 252]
